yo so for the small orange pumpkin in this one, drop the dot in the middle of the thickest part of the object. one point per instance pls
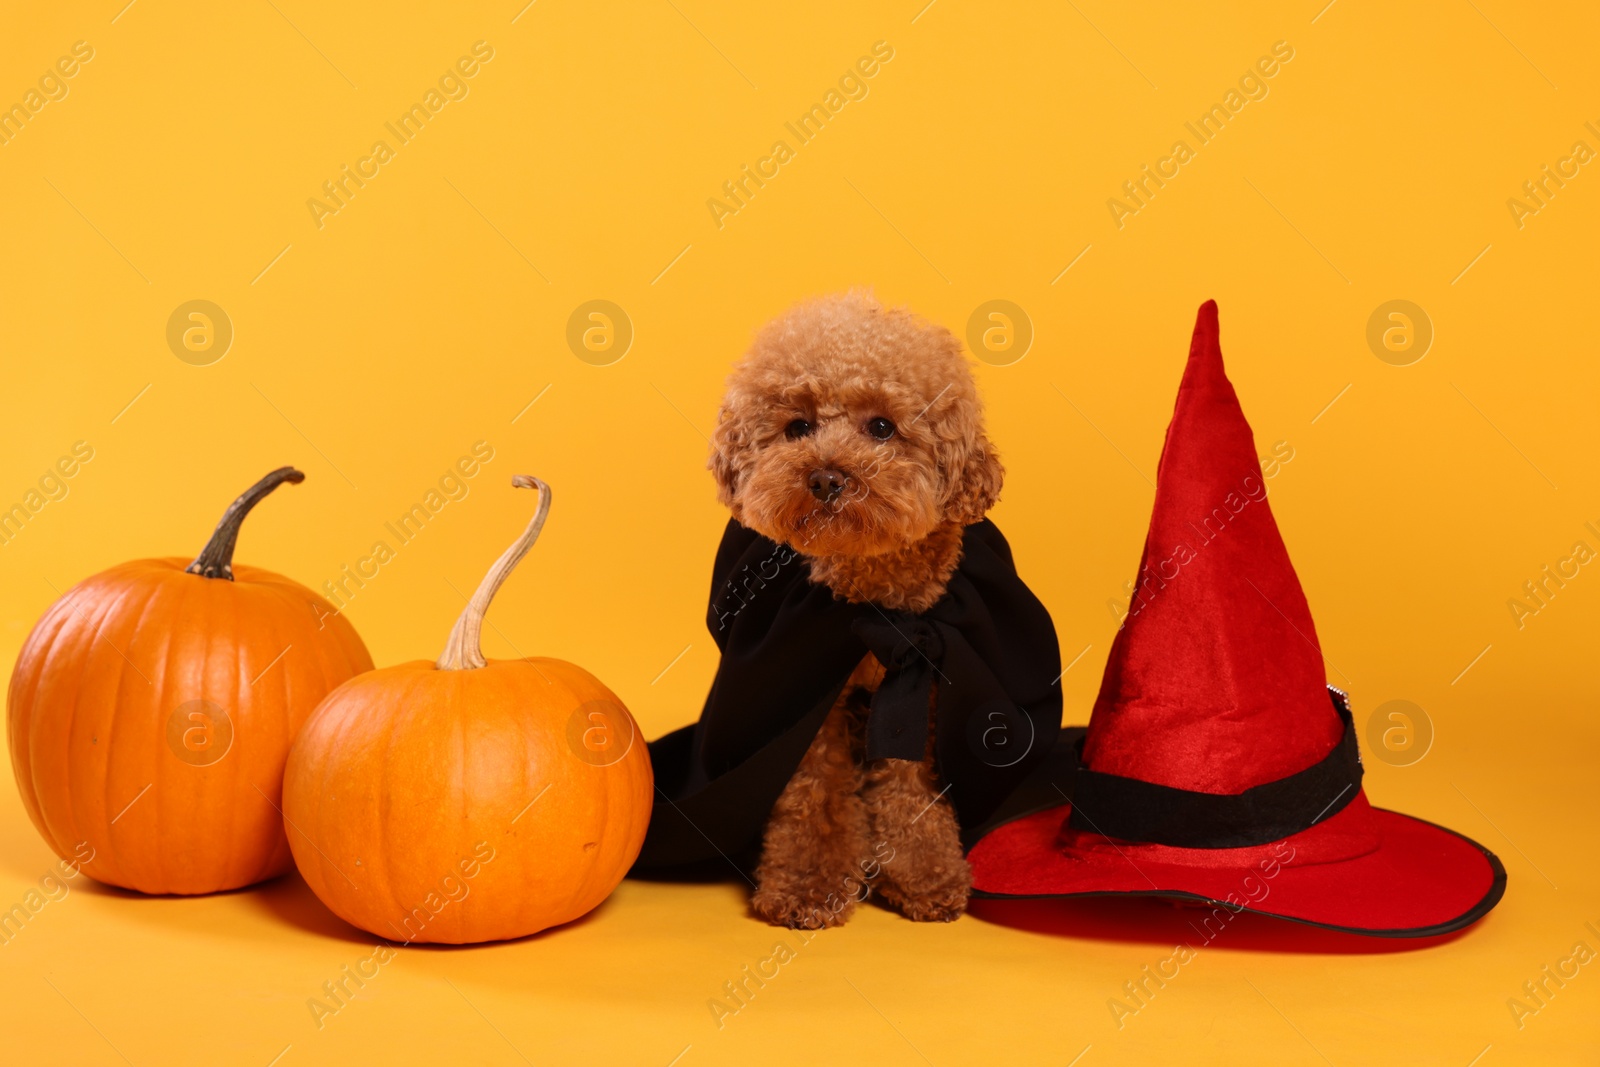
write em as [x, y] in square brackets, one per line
[468, 799]
[153, 706]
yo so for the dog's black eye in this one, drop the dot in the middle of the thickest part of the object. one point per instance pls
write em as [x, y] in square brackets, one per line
[797, 429]
[881, 428]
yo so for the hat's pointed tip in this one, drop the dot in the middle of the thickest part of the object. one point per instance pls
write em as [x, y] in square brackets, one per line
[1205, 349]
[1205, 324]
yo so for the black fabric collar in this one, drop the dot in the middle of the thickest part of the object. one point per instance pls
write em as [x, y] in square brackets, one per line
[988, 649]
[1132, 810]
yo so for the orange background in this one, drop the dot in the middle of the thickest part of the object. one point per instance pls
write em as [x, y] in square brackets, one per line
[432, 309]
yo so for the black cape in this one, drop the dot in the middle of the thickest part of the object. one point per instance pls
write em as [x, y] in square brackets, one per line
[788, 648]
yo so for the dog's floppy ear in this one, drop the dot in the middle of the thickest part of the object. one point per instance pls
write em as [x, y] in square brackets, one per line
[976, 485]
[726, 439]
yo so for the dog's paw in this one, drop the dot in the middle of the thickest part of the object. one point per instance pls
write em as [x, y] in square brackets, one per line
[927, 893]
[942, 906]
[799, 910]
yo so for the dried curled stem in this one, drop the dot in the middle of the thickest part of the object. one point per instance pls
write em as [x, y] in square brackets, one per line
[463, 651]
[216, 559]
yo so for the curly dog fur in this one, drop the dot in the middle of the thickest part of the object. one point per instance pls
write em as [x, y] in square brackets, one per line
[854, 434]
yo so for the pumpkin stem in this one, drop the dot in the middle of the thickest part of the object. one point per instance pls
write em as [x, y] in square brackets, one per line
[216, 559]
[463, 651]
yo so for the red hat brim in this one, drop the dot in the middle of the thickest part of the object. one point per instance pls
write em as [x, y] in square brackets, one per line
[1364, 870]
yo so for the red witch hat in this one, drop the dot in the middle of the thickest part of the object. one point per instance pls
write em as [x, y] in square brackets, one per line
[1218, 765]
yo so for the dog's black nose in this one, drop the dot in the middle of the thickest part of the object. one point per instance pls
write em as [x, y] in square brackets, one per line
[826, 483]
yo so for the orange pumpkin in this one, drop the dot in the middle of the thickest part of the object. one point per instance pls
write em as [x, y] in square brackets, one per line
[153, 706]
[468, 799]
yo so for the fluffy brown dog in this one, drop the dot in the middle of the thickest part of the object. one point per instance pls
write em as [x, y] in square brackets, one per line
[854, 434]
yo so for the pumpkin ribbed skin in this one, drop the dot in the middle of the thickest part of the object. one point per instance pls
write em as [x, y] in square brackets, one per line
[110, 669]
[467, 805]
